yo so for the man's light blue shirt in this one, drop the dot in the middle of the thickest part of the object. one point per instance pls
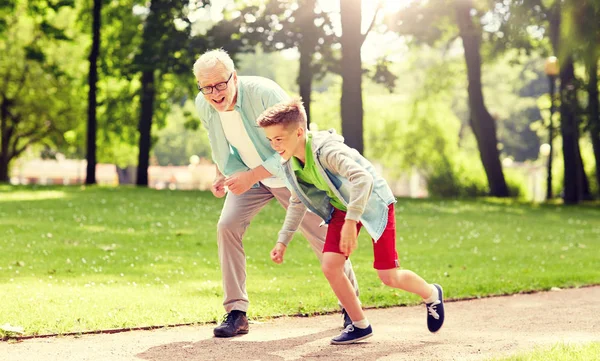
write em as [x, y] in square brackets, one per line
[254, 95]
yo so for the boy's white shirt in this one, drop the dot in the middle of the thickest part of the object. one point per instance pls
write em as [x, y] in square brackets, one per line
[338, 160]
[237, 136]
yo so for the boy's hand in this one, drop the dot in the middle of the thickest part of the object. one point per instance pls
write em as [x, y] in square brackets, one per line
[277, 252]
[240, 182]
[348, 241]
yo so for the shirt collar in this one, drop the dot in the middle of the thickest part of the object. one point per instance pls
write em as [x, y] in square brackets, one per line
[307, 155]
[240, 93]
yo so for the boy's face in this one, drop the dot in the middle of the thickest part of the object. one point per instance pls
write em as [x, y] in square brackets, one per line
[286, 141]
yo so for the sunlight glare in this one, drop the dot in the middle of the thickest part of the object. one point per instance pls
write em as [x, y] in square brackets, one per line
[388, 6]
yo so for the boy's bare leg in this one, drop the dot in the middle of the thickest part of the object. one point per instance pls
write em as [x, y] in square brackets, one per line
[333, 269]
[314, 233]
[432, 294]
[406, 280]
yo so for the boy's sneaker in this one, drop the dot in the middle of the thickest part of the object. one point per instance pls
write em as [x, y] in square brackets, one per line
[352, 334]
[347, 320]
[435, 311]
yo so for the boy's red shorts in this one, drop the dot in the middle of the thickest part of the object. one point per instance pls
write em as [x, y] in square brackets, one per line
[385, 256]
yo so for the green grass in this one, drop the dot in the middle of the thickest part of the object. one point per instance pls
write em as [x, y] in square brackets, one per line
[74, 259]
[559, 352]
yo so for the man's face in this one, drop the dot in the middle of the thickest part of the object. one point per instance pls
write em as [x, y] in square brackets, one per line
[221, 100]
[286, 141]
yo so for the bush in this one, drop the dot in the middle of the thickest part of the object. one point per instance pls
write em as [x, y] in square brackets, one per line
[461, 177]
[516, 183]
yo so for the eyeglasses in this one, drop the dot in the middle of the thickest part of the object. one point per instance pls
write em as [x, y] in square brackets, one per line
[218, 86]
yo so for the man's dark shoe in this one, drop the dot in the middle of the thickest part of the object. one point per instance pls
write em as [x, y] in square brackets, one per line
[234, 323]
[352, 334]
[435, 312]
[347, 320]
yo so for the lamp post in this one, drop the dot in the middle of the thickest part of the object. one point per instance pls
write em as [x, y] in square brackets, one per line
[552, 70]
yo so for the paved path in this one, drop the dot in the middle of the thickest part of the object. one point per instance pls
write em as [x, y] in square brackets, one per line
[474, 330]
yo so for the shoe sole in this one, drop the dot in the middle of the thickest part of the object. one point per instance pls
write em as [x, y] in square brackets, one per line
[350, 341]
[240, 332]
[441, 291]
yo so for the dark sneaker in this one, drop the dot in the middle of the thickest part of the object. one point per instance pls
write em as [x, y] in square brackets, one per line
[352, 334]
[347, 320]
[435, 312]
[234, 323]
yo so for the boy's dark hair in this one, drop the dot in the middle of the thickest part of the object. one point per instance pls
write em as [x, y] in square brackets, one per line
[286, 113]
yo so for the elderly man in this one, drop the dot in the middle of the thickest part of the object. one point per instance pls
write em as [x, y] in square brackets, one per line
[249, 168]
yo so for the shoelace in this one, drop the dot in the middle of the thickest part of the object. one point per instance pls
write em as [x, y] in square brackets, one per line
[228, 318]
[348, 329]
[433, 311]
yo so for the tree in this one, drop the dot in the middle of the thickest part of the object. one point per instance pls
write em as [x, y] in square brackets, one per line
[352, 40]
[561, 40]
[303, 25]
[286, 24]
[482, 123]
[594, 114]
[32, 68]
[164, 50]
[118, 86]
[584, 19]
[431, 22]
[90, 177]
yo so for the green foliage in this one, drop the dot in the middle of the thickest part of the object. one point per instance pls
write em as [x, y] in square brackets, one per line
[289, 24]
[425, 22]
[513, 102]
[164, 45]
[177, 141]
[462, 177]
[383, 75]
[272, 65]
[88, 258]
[6, 9]
[517, 184]
[123, 55]
[39, 78]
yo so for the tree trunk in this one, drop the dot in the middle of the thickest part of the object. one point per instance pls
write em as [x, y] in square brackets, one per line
[576, 186]
[145, 126]
[4, 141]
[4, 169]
[584, 184]
[90, 177]
[482, 123]
[305, 77]
[549, 190]
[594, 114]
[307, 45]
[569, 131]
[351, 102]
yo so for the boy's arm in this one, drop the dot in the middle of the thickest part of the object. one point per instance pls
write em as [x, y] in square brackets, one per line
[293, 217]
[341, 161]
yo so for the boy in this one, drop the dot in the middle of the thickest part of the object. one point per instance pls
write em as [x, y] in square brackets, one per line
[339, 185]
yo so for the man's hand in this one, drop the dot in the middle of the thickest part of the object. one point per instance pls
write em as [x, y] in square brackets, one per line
[240, 182]
[218, 186]
[277, 252]
[348, 241]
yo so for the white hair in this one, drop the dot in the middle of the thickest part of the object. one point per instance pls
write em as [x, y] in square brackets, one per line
[212, 59]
